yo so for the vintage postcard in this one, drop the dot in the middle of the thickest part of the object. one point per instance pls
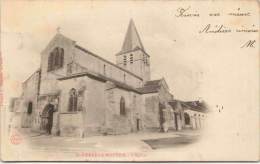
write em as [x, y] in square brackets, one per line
[129, 80]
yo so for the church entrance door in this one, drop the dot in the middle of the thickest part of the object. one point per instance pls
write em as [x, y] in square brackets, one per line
[47, 118]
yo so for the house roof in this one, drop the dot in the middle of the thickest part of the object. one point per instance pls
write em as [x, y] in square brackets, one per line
[196, 105]
[102, 78]
[192, 105]
[132, 39]
[173, 104]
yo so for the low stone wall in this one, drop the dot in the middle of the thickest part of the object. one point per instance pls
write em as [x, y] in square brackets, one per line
[93, 131]
[119, 125]
[151, 121]
[71, 124]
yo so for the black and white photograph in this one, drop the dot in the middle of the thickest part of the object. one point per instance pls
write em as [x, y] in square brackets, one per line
[129, 80]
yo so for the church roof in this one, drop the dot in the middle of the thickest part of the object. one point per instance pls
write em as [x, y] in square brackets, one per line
[149, 89]
[152, 86]
[152, 82]
[102, 78]
[132, 39]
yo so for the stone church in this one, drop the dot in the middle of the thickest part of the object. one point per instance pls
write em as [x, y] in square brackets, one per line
[93, 96]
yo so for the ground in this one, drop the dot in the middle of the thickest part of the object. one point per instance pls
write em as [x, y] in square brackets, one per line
[125, 147]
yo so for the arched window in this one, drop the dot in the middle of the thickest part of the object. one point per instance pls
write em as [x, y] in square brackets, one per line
[30, 107]
[56, 59]
[122, 106]
[50, 61]
[187, 118]
[61, 57]
[73, 100]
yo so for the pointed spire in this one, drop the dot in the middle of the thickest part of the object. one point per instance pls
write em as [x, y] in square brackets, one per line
[132, 40]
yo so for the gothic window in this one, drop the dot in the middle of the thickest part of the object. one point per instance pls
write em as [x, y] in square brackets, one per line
[187, 118]
[50, 60]
[56, 59]
[81, 99]
[29, 109]
[122, 107]
[61, 57]
[73, 99]
[124, 77]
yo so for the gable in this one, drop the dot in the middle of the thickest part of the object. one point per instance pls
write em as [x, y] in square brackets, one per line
[58, 40]
[164, 84]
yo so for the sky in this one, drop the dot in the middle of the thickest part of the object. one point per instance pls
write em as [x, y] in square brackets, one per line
[178, 52]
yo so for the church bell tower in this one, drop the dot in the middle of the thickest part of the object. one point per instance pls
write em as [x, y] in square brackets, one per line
[132, 56]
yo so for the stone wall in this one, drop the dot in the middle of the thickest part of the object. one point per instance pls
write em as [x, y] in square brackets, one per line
[29, 98]
[101, 108]
[91, 105]
[71, 124]
[49, 83]
[94, 115]
[133, 120]
[151, 120]
[138, 66]
[105, 68]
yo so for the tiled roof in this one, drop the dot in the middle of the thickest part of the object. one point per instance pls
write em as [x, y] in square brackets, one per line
[102, 78]
[173, 104]
[152, 82]
[149, 89]
[152, 86]
[192, 105]
[196, 105]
